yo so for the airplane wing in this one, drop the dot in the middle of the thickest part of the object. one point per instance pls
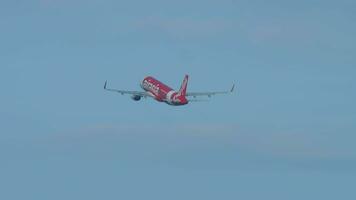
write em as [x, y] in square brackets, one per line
[209, 94]
[137, 93]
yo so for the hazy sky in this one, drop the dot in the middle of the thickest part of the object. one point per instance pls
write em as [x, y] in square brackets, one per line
[289, 131]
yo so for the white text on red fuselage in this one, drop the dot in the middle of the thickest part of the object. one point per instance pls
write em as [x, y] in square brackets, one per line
[151, 87]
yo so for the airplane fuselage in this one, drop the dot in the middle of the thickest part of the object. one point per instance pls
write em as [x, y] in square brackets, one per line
[162, 92]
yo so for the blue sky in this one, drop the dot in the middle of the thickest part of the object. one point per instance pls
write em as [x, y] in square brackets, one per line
[287, 133]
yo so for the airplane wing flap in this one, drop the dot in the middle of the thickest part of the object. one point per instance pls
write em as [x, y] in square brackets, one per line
[138, 93]
[195, 94]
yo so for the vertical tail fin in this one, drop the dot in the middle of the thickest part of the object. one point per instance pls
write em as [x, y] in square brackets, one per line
[183, 88]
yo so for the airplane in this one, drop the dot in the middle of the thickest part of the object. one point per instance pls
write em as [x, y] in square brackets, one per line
[162, 93]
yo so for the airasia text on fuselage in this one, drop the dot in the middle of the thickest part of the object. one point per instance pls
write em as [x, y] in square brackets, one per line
[162, 92]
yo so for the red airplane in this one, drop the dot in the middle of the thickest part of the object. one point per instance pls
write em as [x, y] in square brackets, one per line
[162, 93]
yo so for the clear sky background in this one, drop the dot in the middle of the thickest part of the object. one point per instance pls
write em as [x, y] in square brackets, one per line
[287, 133]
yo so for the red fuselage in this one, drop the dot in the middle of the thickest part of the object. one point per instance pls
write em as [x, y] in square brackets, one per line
[162, 92]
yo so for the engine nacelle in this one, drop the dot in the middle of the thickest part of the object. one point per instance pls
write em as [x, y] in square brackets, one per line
[136, 97]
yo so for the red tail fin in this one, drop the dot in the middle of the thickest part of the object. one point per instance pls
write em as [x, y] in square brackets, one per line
[183, 88]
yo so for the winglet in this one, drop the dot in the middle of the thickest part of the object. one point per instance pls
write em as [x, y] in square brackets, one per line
[233, 88]
[106, 82]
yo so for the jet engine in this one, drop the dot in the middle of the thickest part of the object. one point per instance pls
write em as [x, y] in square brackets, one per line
[136, 97]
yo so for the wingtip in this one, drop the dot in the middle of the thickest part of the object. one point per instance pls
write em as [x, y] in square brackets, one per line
[232, 88]
[106, 82]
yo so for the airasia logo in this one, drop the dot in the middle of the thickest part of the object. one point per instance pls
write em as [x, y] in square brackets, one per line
[150, 86]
